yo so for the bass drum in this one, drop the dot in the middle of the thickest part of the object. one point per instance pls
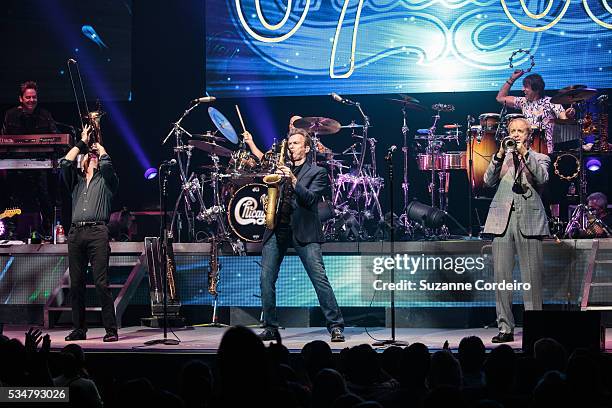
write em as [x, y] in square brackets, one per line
[483, 149]
[246, 214]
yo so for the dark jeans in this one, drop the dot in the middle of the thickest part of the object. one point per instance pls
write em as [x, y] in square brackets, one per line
[272, 255]
[90, 244]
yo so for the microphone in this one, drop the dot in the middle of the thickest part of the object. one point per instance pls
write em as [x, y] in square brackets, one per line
[340, 99]
[71, 61]
[169, 163]
[470, 119]
[205, 99]
[392, 148]
[390, 151]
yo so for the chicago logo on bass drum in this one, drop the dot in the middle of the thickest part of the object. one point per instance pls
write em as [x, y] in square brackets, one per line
[246, 213]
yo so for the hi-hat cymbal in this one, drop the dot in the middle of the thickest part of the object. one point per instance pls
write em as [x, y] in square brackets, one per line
[211, 148]
[318, 125]
[208, 137]
[452, 126]
[407, 104]
[351, 125]
[574, 93]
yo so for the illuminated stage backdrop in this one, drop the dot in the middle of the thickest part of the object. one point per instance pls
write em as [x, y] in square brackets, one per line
[313, 47]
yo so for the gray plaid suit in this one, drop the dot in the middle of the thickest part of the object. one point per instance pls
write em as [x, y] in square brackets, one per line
[518, 222]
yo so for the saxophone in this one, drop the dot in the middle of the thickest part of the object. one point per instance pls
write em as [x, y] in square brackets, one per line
[273, 181]
[170, 268]
[213, 270]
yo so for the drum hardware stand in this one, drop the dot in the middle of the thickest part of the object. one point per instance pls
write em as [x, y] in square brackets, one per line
[404, 220]
[363, 178]
[165, 235]
[392, 341]
[190, 187]
[470, 144]
[580, 215]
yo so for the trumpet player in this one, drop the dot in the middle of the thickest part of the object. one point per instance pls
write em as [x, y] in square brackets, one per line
[517, 221]
[298, 224]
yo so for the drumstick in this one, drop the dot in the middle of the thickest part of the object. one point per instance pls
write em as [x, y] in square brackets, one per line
[240, 117]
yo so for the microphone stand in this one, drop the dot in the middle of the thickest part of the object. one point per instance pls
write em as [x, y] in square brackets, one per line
[164, 172]
[470, 142]
[392, 341]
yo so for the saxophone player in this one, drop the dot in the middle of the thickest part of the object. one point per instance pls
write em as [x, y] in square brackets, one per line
[298, 224]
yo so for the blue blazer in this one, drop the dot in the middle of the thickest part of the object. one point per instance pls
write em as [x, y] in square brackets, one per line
[312, 184]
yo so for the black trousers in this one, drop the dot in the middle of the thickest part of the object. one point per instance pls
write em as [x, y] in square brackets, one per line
[89, 244]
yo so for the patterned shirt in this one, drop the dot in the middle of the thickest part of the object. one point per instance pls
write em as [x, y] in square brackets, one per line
[540, 111]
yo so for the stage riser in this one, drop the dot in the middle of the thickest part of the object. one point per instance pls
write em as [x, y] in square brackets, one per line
[29, 274]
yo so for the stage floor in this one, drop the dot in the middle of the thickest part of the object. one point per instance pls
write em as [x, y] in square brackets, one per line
[206, 339]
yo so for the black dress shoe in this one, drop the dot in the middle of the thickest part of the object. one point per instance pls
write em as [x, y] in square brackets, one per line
[110, 337]
[76, 335]
[269, 334]
[336, 335]
[503, 338]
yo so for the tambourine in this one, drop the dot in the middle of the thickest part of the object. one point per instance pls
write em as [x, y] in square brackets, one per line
[558, 162]
[526, 52]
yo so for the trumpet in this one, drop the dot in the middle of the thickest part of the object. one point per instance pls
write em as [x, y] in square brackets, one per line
[509, 144]
[273, 181]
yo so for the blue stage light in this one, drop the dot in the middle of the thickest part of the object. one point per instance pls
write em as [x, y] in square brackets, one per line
[593, 164]
[151, 173]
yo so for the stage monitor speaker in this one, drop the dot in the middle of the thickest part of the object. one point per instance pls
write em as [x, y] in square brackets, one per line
[573, 329]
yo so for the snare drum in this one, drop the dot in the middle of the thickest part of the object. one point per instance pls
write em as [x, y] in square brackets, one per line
[489, 122]
[454, 161]
[246, 214]
[427, 161]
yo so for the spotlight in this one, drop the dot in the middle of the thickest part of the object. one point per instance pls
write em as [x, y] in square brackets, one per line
[151, 173]
[429, 216]
[593, 164]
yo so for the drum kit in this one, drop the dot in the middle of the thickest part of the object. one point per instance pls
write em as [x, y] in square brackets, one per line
[353, 211]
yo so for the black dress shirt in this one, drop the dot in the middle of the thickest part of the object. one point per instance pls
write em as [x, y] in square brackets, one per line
[19, 122]
[93, 202]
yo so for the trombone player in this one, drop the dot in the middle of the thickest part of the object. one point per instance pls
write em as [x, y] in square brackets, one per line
[517, 220]
[297, 223]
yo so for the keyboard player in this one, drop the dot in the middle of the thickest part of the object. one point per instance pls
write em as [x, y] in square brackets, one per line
[28, 189]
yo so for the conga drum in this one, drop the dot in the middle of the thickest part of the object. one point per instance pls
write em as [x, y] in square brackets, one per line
[489, 122]
[538, 140]
[483, 148]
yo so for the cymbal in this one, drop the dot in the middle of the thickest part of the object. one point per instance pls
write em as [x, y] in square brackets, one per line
[224, 125]
[407, 104]
[318, 125]
[573, 95]
[452, 126]
[409, 98]
[208, 136]
[211, 148]
[351, 125]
